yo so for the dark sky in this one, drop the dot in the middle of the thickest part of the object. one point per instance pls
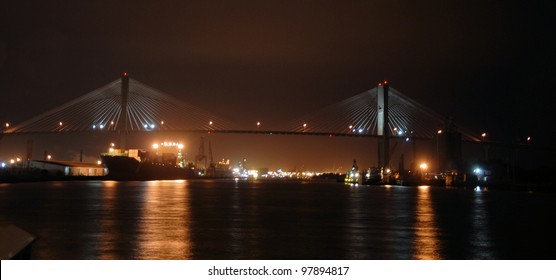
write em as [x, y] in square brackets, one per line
[488, 64]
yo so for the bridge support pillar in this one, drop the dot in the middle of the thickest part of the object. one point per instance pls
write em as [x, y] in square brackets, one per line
[122, 122]
[383, 126]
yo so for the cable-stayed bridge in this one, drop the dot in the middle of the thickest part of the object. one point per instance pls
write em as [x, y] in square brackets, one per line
[127, 105]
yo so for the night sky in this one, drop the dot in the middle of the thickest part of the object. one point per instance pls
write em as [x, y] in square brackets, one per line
[488, 64]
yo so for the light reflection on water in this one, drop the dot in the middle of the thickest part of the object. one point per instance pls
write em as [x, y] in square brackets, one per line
[243, 241]
[163, 225]
[481, 235]
[426, 243]
[259, 220]
[106, 246]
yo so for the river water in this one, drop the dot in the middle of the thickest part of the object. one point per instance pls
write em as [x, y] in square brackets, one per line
[228, 219]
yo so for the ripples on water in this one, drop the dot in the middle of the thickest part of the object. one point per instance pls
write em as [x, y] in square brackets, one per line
[277, 220]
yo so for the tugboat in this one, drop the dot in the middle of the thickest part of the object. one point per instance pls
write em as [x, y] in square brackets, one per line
[353, 177]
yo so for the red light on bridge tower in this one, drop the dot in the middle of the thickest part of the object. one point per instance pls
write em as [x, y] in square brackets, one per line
[125, 74]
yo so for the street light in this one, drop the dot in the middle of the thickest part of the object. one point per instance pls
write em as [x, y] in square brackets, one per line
[483, 136]
[210, 128]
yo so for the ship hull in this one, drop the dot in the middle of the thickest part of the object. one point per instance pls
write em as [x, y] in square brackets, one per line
[128, 168]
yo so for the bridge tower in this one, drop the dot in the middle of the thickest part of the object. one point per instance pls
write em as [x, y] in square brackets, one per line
[122, 122]
[382, 125]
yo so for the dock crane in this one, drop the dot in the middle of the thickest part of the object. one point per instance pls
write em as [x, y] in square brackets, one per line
[201, 156]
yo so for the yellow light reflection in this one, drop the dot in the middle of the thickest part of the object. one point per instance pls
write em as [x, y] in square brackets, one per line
[164, 224]
[107, 238]
[426, 242]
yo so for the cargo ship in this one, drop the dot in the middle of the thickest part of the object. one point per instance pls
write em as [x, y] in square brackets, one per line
[164, 162]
